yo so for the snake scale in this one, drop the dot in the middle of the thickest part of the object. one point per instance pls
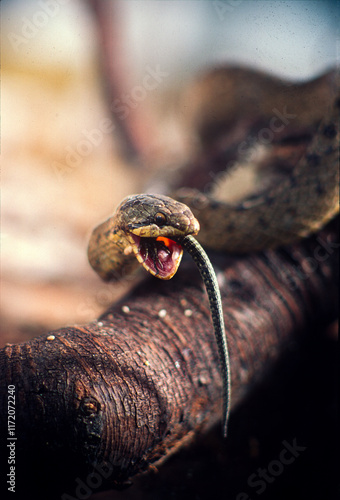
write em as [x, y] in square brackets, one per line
[155, 228]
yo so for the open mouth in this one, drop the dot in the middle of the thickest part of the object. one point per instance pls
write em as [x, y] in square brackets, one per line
[160, 256]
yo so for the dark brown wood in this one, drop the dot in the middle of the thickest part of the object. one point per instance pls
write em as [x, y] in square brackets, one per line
[115, 396]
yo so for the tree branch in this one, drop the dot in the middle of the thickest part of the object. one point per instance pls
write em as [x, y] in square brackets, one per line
[124, 392]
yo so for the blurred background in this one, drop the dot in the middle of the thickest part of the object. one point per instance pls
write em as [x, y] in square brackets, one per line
[66, 163]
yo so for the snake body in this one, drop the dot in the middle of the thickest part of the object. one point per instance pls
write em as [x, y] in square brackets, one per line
[154, 228]
[295, 208]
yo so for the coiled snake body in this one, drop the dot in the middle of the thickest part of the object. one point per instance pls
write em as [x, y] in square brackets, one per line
[154, 228]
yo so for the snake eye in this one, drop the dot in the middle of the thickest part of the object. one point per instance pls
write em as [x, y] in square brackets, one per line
[160, 219]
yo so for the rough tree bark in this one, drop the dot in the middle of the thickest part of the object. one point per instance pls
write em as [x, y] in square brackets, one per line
[98, 403]
[101, 402]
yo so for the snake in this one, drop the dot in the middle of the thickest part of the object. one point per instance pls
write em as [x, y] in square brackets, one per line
[153, 229]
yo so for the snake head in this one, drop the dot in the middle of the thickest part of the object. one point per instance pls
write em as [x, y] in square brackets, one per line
[151, 224]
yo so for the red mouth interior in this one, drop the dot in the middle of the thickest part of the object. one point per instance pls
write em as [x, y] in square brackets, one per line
[161, 256]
